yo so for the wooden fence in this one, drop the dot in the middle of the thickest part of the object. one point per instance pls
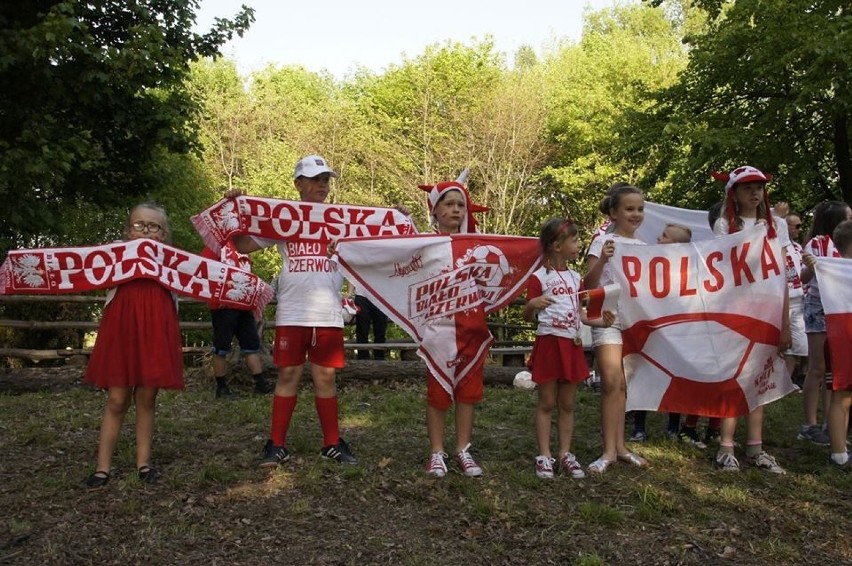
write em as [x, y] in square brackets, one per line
[506, 351]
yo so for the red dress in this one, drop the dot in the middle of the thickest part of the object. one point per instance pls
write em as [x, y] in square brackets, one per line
[138, 341]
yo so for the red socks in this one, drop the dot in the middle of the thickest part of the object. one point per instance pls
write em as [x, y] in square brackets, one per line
[328, 418]
[282, 412]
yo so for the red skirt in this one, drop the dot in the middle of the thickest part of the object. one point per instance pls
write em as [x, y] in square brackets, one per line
[138, 343]
[557, 359]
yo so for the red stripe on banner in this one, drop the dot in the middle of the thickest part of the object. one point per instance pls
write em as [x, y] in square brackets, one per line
[755, 330]
[839, 332]
[724, 399]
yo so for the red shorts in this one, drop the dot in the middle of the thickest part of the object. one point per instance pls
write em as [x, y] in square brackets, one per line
[557, 359]
[323, 346]
[469, 391]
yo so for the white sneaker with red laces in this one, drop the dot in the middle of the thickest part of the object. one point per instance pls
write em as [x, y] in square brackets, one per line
[437, 466]
[544, 467]
[571, 467]
[467, 464]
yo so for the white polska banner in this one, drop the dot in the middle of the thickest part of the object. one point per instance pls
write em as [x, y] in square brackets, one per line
[702, 323]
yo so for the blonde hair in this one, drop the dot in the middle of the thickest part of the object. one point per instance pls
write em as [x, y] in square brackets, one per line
[150, 205]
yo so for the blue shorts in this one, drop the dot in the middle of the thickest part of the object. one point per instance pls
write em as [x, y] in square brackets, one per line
[228, 323]
[814, 315]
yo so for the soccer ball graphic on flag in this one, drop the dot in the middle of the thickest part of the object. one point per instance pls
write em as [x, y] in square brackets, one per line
[489, 264]
[701, 363]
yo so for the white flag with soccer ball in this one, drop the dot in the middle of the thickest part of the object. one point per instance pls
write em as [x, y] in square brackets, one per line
[702, 323]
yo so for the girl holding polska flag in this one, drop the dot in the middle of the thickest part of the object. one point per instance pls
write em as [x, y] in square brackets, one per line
[625, 206]
[746, 205]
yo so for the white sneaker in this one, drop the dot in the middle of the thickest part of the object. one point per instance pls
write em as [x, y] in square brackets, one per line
[767, 463]
[570, 466]
[437, 466]
[544, 467]
[466, 462]
[726, 462]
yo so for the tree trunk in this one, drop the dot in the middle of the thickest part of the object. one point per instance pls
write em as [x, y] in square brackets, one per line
[843, 157]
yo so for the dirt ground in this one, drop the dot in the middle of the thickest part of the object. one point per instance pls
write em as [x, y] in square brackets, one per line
[215, 506]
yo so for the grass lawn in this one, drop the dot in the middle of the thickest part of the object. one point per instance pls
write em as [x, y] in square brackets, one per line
[213, 504]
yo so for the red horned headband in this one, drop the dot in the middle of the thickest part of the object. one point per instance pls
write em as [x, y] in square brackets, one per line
[439, 190]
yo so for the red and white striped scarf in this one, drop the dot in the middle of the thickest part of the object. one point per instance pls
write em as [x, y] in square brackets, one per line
[77, 270]
[291, 220]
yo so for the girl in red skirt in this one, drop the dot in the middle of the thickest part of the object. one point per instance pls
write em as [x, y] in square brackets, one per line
[558, 362]
[137, 352]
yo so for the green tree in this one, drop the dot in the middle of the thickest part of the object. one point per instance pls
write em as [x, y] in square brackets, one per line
[768, 83]
[92, 96]
[625, 52]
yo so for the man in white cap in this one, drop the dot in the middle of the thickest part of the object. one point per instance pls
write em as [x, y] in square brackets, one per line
[308, 324]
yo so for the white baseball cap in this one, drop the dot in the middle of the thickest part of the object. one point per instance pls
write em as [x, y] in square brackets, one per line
[312, 166]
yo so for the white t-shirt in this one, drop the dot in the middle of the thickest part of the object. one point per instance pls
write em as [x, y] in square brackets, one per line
[596, 247]
[309, 285]
[562, 318]
[819, 246]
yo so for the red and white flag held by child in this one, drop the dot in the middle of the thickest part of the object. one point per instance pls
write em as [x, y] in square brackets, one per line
[439, 288]
[835, 291]
[702, 323]
[77, 270]
[602, 299]
[291, 220]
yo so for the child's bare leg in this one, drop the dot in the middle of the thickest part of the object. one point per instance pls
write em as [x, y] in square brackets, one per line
[464, 425]
[145, 399]
[838, 420]
[435, 427]
[543, 412]
[118, 401]
[814, 377]
[613, 395]
[565, 420]
[726, 434]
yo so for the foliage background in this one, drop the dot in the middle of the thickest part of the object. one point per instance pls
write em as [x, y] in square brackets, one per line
[109, 103]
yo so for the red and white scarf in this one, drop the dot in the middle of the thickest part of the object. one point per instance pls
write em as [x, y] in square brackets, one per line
[77, 270]
[291, 220]
[439, 288]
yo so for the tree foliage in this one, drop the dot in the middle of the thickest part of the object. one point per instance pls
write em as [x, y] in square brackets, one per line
[768, 83]
[92, 100]
[624, 53]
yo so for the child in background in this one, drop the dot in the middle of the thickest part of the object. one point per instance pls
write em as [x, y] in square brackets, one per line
[746, 205]
[228, 323]
[672, 234]
[558, 362]
[796, 257]
[827, 216]
[841, 396]
[688, 431]
[137, 352]
[626, 208]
